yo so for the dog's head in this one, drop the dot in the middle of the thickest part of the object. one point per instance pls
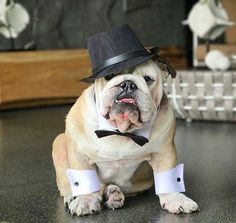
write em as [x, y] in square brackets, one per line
[128, 100]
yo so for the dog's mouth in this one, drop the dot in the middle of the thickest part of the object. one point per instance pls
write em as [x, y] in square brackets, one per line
[130, 101]
[124, 114]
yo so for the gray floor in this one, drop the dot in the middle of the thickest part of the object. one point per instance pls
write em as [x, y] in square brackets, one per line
[27, 180]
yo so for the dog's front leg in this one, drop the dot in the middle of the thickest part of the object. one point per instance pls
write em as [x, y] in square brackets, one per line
[81, 203]
[173, 202]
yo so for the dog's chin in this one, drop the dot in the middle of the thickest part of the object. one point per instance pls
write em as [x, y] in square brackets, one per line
[124, 115]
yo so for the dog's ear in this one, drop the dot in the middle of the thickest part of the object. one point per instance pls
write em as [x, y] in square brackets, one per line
[165, 66]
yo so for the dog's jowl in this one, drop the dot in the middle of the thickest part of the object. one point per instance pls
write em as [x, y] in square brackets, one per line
[119, 135]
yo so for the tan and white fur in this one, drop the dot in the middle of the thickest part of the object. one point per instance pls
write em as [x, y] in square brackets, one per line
[123, 167]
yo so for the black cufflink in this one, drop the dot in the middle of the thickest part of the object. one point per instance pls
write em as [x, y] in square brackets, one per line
[76, 184]
[178, 179]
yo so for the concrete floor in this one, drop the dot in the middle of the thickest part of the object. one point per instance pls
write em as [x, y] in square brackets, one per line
[28, 191]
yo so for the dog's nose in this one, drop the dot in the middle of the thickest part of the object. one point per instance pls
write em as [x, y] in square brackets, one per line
[128, 86]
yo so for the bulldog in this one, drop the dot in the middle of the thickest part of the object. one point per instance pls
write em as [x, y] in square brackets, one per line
[130, 101]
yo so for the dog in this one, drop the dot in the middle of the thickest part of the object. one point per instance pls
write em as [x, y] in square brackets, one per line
[126, 101]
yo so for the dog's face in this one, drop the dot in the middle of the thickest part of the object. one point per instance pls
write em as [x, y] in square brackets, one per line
[129, 99]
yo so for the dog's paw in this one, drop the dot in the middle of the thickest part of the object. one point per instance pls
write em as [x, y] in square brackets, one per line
[178, 203]
[113, 196]
[85, 205]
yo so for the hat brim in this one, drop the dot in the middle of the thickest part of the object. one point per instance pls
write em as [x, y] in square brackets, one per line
[117, 68]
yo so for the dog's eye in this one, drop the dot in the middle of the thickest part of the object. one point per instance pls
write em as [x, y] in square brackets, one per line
[148, 79]
[109, 77]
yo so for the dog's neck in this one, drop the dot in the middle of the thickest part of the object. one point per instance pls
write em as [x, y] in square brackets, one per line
[103, 124]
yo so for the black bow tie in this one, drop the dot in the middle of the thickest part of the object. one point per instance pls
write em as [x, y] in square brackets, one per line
[140, 140]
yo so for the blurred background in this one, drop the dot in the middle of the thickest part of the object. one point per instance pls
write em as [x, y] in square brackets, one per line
[61, 24]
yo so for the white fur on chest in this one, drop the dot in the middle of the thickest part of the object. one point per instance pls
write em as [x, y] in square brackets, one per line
[120, 171]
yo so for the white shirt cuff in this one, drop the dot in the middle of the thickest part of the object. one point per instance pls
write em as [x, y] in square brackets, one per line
[83, 181]
[170, 181]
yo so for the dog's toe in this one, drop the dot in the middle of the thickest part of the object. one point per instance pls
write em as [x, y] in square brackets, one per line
[114, 198]
[67, 200]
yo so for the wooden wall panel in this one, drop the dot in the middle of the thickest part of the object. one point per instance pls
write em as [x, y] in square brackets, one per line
[42, 77]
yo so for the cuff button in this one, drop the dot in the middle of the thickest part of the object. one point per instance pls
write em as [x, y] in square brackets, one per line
[76, 184]
[178, 179]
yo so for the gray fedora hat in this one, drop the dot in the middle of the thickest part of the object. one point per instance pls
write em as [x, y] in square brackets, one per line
[116, 50]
